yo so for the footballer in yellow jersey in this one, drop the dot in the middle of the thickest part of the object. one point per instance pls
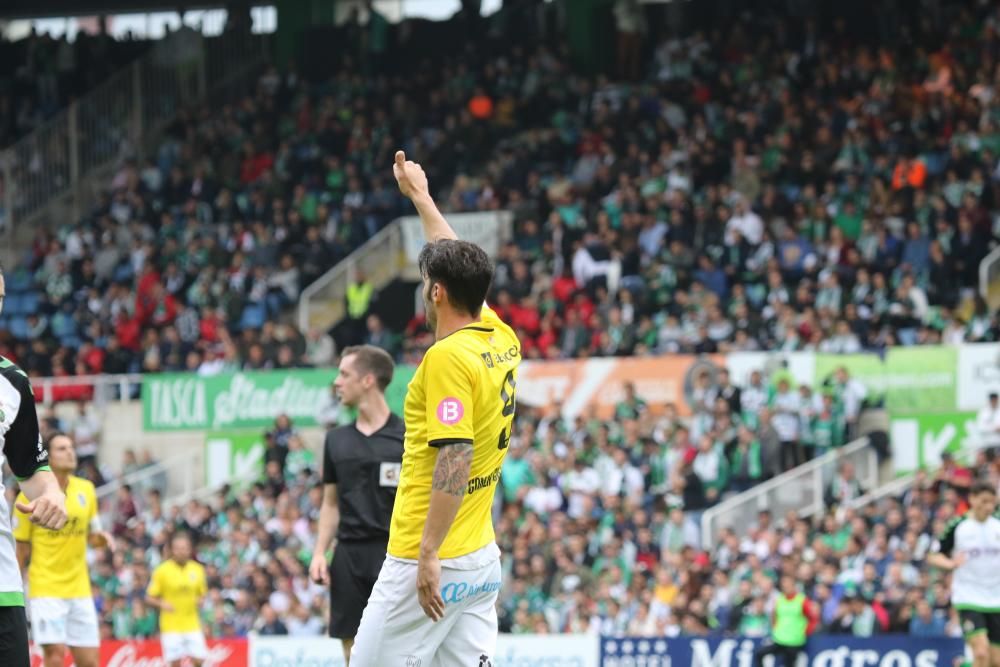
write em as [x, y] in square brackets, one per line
[435, 599]
[176, 588]
[60, 603]
[462, 393]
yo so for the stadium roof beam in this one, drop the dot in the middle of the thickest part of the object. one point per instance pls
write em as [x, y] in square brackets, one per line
[36, 9]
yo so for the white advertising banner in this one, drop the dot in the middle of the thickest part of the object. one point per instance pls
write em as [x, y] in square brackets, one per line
[295, 652]
[512, 651]
[546, 651]
[978, 374]
[487, 230]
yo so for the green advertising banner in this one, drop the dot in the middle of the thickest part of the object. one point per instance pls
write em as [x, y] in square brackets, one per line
[233, 455]
[190, 402]
[918, 441]
[912, 380]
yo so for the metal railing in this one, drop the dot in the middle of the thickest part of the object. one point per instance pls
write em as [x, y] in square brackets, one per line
[173, 478]
[892, 488]
[390, 254]
[800, 490]
[114, 120]
[322, 304]
[99, 388]
[901, 484]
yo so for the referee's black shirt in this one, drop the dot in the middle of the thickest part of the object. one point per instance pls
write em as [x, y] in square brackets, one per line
[366, 471]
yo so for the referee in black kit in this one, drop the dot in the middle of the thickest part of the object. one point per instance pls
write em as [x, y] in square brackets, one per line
[361, 465]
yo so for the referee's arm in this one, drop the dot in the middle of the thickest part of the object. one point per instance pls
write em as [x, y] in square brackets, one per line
[329, 519]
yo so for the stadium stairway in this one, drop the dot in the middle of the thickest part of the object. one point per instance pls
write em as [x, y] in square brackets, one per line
[802, 489]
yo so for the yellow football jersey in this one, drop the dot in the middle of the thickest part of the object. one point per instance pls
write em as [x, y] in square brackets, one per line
[58, 565]
[463, 391]
[182, 588]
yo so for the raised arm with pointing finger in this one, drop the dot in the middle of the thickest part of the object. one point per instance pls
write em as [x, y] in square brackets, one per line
[413, 183]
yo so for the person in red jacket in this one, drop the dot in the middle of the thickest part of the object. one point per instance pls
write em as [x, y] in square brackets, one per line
[794, 618]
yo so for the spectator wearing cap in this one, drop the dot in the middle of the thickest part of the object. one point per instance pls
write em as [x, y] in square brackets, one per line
[988, 423]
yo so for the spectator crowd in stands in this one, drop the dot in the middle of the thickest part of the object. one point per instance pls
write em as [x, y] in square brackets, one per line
[599, 521]
[40, 74]
[769, 185]
[804, 190]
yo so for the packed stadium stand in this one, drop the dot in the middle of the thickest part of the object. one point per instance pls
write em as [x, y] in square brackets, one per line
[41, 75]
[779, 182]
[689, 213]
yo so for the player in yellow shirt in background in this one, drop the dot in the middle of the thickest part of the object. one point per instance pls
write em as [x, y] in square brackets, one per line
[59, 595]
[176, 589]
[434, 603]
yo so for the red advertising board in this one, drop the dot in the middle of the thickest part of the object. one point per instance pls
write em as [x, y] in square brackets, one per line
[146, 653]
[38, 661]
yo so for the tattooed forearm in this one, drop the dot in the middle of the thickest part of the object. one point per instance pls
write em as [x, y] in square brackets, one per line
[451, 473]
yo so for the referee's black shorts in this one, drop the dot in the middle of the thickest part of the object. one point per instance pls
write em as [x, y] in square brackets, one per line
[14, 637]
[353, 574]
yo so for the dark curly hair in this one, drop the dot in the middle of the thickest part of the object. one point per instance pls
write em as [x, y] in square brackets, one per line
[463, 268]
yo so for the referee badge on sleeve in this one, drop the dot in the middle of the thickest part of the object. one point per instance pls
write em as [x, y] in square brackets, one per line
[388, 474]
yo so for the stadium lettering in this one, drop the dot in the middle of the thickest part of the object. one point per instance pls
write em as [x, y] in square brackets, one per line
[702, 656]
[178, 403]
[244, 400]
[477, 483]
[736, 653]
[845, 657]
[458, 591]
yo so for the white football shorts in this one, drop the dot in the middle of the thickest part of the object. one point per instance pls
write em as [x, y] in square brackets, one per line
[395, 631]
[179, 645]
[70, 622]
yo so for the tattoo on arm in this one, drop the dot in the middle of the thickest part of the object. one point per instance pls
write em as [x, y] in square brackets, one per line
[451, 473]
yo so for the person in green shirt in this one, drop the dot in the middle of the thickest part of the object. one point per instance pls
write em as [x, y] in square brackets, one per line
[746, 464]
[299, 458]
[794, 618]
[755, 622]
[515, 473]
[145, 622]
[849, 220]
[631, 406]
[121, 620]
[827, 427]
[833, 536]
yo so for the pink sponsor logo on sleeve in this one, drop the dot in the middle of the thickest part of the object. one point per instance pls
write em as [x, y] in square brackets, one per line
[450, 411]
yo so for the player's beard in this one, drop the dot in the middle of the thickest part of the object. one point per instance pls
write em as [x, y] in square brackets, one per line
[429, 311]
[432, 318]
